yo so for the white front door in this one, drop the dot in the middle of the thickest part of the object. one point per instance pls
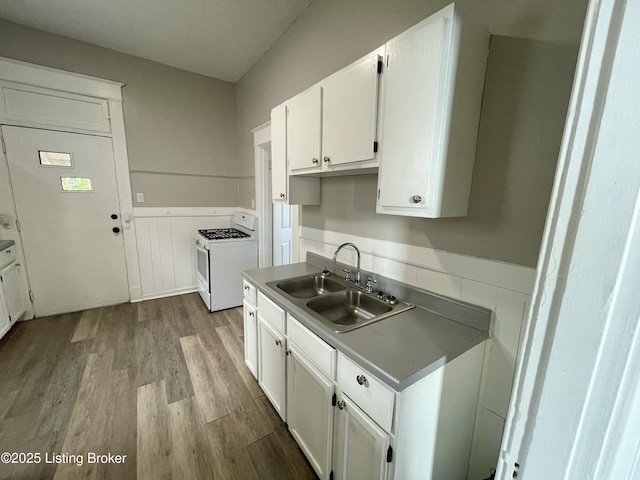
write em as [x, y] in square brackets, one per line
[66, 196]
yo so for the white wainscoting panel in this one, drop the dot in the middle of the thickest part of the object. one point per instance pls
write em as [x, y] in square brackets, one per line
[166, 252]
[504, 288]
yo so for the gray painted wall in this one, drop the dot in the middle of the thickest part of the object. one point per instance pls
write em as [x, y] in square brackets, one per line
[526, 96]
[176, 121]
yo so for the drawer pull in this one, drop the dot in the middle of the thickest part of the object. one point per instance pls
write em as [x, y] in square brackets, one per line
[361, 379]
[341, 404]
[251, 314]
[278, 342]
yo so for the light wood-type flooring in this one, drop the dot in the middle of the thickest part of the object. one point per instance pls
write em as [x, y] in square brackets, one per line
[162, 382]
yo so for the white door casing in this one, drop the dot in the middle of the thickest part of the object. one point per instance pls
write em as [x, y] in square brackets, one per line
[51, 81]
[74, 259]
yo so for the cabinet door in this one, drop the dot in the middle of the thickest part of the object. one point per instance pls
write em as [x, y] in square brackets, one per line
[350, 113]
[360, 446]
[279, 154]
[11, 288]
[5, 324]
[304, 115]
[310, 411]
[271, 365]
[250, 337]
[412, 115]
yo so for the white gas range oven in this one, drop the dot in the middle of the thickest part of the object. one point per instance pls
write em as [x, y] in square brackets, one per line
[222, 255]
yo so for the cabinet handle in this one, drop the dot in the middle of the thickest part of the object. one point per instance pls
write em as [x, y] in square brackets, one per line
[251, 314]
[282, 195]
[287, 352]
[416, 199]
[326, 159]
[246, 287]
[278, 342]
[361, 379]
[341, 404]
[315, 161]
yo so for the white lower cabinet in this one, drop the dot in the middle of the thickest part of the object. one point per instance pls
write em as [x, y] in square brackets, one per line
[351, 424]
[12, 306]
[360, 447]
[310, 410]
[250, 315]
[272, 365]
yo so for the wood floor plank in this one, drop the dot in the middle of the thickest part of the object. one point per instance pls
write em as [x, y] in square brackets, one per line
[266, 455]
[235, 319]
[87, 326]
[190, 447]
[217, 386]
[235, 347]
[149, 310]
[154, 444]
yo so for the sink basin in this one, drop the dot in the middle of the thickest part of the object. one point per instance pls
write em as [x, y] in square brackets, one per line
[351, 309]
[309, 286]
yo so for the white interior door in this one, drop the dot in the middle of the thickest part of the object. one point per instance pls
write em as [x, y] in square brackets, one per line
[282, 234]
[65, 191]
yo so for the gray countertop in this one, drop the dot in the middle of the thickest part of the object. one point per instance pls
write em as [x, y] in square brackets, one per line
[400, 350]
[4, 244]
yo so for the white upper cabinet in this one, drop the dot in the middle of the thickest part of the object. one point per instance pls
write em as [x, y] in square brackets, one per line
[293, 191]
[332, 126]
[431, 97]
[304, 123]
[350, 113]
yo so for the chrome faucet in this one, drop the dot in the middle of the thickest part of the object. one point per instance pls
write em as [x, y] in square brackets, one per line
[335, 256]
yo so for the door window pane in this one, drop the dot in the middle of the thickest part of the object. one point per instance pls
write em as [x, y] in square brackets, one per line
[76, 184]
[54, 159]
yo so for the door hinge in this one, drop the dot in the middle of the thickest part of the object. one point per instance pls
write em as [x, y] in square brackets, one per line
[375, 147]
[379, 66]
[331, 475]
[516, 470]
[334, 400]
[4, 146]
[30, 296]
[17, 224]
[389, 454]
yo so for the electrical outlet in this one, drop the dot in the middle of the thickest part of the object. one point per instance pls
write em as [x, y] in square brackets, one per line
[140, 197]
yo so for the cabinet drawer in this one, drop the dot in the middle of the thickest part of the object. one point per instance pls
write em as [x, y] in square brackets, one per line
[249, 292]
[271, 312]
[371, 395]
[316, 349]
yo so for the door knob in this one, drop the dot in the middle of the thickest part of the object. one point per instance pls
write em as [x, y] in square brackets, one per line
[361, 379]
[114, 216]
[416, 199]
[341, 404]
[115, 229]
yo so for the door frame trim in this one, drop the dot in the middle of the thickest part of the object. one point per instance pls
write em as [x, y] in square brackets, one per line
[63, 81]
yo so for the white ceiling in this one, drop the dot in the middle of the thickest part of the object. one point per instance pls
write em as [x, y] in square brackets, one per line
[217, 38]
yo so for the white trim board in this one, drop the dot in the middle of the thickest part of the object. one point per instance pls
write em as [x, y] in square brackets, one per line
[54, 79]
[139, 212]
[505, 275]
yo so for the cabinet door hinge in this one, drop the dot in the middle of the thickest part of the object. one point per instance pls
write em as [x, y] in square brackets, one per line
[333, 400]
[375, 147]
[30, 296]
[379, 66]
[378, 194]
[389, 454]
[17, 224]
[4, 145]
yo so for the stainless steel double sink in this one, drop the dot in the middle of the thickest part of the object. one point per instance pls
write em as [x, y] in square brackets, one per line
[342, 307]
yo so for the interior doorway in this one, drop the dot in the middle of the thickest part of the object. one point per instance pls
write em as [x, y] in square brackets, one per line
[66, 198]
[281, 224]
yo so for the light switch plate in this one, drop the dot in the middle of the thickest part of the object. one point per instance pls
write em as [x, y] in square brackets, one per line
[140, 197]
